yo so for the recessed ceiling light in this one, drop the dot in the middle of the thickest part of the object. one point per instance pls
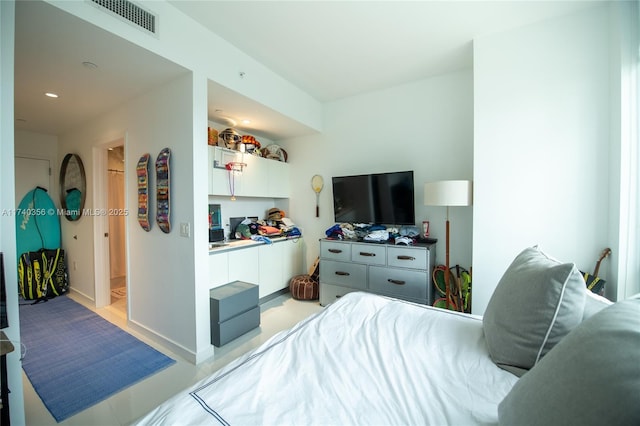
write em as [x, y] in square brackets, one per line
[245, 121]
[51, 95]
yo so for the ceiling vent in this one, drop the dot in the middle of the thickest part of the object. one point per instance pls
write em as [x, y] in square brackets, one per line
[131, 12]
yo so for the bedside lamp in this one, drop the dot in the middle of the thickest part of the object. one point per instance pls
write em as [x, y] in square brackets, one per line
[448, 193]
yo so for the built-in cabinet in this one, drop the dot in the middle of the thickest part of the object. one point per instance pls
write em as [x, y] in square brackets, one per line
[398, 271]
[252, 176]
[270, 266]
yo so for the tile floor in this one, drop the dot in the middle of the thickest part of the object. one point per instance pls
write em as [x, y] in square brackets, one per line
[132, 403]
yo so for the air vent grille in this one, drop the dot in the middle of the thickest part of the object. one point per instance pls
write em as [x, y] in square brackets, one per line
[131, 12]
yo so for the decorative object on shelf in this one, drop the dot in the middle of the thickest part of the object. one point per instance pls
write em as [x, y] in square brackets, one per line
[250, 143]
[448, 193]
[317, 183]
[72, 186]
[275, 152]
[212, 137]
[230, 138]
[163, 189]
[142, 170]
[425, 228]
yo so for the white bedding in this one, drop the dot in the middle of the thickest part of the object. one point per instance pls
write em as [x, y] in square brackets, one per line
[365, 359]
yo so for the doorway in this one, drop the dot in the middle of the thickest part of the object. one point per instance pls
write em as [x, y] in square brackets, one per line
[117, 231]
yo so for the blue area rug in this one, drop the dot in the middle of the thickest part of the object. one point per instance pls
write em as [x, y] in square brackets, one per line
[75, 358]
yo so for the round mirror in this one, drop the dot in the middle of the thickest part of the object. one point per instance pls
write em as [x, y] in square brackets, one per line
[73, 186]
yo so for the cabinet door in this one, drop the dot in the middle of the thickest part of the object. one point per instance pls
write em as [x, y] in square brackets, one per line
[243, 265]
[252, 181]
[279, 179]
[291, 259]
[211, 157]
[218, 269]
[219, 179]
[271, 274]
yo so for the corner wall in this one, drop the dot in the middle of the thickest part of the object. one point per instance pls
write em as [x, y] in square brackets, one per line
[425, 126]
[542, 145]
[161, 266]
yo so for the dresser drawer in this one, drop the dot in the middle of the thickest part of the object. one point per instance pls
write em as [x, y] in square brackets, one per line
[333, 250]
[371, 254]
[403, 257]
[226, 331]
[344, 274]
[232, 299]
[402, 283]
[329, 293]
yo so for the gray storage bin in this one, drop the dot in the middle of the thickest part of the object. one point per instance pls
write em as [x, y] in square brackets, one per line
[234, 311]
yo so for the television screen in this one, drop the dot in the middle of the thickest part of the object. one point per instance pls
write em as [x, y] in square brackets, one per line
[381, 198]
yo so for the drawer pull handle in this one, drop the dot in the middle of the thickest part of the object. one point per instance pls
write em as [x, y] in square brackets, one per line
[397, 282]
[406, 258]
[346, 274]
[363, 253]
[335, 251]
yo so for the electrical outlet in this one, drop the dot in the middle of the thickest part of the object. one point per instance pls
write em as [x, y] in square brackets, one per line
[185, 230]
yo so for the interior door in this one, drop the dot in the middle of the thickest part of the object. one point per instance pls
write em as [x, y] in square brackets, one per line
[31, 172]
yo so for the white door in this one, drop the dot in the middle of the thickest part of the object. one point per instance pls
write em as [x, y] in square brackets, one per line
[31, 172]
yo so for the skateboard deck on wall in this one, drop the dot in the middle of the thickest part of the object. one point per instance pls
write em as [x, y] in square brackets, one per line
[163, 208]
[143, 192]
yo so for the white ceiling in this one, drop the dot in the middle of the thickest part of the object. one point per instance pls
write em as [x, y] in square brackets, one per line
[330, 49]
[335, 49]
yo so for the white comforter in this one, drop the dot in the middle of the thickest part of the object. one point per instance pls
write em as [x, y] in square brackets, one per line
[365, 359]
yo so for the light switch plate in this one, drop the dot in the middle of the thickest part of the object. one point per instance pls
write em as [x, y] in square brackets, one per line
[185, 230]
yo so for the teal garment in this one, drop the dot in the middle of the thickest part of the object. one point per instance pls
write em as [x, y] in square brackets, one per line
[73, 200]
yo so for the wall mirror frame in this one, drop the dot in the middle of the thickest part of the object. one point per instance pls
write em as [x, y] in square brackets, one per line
[73, 186]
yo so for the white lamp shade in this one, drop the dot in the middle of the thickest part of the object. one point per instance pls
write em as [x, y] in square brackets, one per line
[448, 193]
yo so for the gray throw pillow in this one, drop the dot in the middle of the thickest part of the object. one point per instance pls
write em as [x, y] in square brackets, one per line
[537, 302]
[592, 377]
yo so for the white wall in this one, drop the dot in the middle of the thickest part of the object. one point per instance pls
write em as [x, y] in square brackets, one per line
[425, 126]
[40, 146]
[542, 145]
[7, 201]
[161, 266]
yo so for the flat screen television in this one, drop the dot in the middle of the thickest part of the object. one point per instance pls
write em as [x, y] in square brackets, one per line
[379, 198]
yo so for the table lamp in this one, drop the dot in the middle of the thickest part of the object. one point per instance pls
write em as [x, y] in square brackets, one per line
[448, 193]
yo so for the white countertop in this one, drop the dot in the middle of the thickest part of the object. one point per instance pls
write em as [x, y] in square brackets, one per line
[238, 244]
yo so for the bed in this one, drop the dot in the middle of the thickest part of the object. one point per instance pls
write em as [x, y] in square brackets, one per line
[374, 360]
[365, 359]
